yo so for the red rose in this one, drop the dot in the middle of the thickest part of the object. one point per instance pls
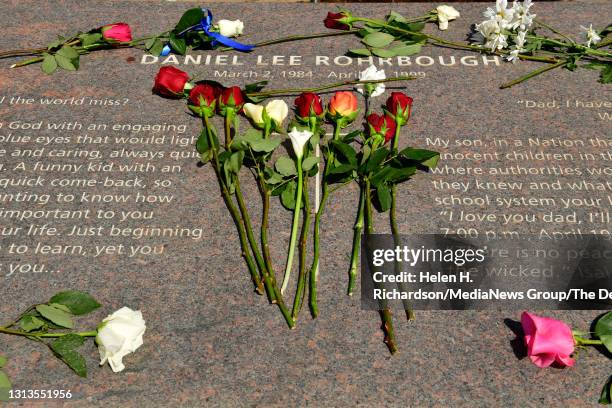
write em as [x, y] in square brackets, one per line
[203, 99]
[338, 21]
[308, 103]
[383, 125]
[231, 97]
[400, 106]
[170, 82]
[117, 32]
[205, 92]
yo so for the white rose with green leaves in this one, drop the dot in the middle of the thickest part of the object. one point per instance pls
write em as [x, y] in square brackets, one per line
[277, 110]
[119, 335]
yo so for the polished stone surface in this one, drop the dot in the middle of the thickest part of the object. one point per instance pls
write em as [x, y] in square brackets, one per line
[211, 341]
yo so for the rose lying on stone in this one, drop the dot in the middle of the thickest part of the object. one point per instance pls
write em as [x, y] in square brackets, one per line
[232, 97]
[307, 104]
[119, 335]
[276, 111]
[381, 125]
[399, 105]
[203, 99]
[343, 103]
[170, 82]
[548, 340]
[229, 28]
[445, 14]
[371, 74]
[338, 21]
[117, 32]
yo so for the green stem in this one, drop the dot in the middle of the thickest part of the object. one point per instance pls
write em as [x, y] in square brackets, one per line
[5, 330]
[269, 271]
[233, 211]
[581, 341]
[554, 30]
[358, 229]
[294, 227]
[604, 43]
[385, 313]
[395, 229]
[442, 42]
[272, 92]
[249, 230]
[27, 62]
[314, 267]
[21, 53]
[242, 205]
[533, 74]
[299, 294]
[296, 38]
[265, 215]
[229, 117]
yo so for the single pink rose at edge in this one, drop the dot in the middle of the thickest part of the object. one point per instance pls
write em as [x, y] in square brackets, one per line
[547, 340]
[117, 31]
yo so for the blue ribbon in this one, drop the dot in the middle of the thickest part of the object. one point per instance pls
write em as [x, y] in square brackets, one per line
[206, 25]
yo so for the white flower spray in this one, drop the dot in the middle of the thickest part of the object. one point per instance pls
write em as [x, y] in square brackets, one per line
[506, 28]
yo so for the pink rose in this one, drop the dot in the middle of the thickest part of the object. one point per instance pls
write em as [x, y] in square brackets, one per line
[547, 340]
[117, 32]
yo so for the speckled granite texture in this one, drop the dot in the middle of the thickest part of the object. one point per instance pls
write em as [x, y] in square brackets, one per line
[210, 340]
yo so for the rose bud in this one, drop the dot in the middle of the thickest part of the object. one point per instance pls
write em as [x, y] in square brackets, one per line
[343, 107]
[308, 105]
[170, 82]
[382, 125]
[231, 98]
[338, 21]
[548, 340]
[116, 32]
[203, 99]
[399, 105]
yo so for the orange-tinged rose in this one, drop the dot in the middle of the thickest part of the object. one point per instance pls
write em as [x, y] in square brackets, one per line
[343, 103]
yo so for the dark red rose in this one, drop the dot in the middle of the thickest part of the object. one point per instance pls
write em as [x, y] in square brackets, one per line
[383, 125]
[205, 92]
[231, 97]
[338, 21]
[170, 82]
[399, 105]
[308, 103]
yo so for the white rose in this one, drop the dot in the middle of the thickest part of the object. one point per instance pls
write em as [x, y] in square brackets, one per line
[299, 140]
[230, 28]
[446, 14]
[277, 110]
[119, 335]
[372, 74]
[254, 112]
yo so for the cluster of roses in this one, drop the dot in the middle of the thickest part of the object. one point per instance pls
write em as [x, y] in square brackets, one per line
[195, 29]
[377, 167]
